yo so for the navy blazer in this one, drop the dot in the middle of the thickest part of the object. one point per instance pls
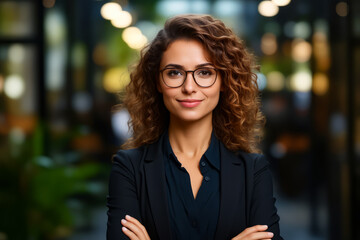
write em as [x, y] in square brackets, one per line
[137, 188]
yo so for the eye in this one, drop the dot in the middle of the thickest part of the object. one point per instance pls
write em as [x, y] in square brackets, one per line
[173, 73]
[205, 72]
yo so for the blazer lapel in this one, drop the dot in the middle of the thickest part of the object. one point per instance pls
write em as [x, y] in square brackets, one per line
[231, 189]
[155, 179]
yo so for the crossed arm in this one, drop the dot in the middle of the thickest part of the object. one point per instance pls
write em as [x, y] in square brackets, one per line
[136, 231]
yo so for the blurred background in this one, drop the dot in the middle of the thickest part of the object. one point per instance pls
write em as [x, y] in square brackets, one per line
[62, 63]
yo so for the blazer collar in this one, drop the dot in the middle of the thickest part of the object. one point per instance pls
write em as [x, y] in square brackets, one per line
[232, 171]
[155, 179]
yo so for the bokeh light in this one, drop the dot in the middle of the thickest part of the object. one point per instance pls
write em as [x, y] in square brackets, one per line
[119, 123]
[122, 20]
[268, 8]
[99, 55]
[320, 84]
[16, 53]
[321, 51]
[14, 86]
[301, 81]
[82, 102]
[16, 135]
[134, 38]
[1, 83]
[302, 30]
[275, 81]
[48, 3]
[268, 44]
[116, 79]
[110, 10]
[342, 9]
[281, 3]
[55, 28]
[289, 29]
[261, 81]
[148, 29]
[301, 50]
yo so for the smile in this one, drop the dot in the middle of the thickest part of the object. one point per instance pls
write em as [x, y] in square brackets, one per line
[189, 103]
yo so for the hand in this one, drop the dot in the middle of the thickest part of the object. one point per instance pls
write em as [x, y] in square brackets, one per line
[254, 233]
[134, 229]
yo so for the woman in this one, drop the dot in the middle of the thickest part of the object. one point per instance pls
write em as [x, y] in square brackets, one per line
[190, 170]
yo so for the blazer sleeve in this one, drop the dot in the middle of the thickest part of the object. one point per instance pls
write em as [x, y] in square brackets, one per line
[262, 208]
[122, 199]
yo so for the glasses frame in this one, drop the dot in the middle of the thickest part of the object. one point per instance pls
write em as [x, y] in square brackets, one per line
[186, 74]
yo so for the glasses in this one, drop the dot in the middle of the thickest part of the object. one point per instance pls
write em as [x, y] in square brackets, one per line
[175, 77]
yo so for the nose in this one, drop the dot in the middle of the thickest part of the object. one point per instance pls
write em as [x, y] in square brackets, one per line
[189, 85]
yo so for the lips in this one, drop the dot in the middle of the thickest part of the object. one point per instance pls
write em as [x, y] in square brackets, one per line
[189, 103]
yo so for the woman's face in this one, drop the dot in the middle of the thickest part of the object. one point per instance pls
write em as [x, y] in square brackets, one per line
[188, 102]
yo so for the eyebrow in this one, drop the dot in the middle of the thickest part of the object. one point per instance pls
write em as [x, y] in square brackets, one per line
[180, 66]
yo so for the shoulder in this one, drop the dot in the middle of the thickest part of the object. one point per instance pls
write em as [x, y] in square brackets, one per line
[129, 154]
[130, 159]
[254, 162]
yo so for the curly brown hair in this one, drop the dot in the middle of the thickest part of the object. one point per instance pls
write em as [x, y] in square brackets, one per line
[236, 119]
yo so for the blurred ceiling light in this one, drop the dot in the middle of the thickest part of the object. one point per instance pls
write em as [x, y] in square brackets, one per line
[320, 84]
[110, 10]
[16, 53]
[122, 20]
[268, 44]
[301, 50]
[48, 3]
[301, 81]
[134, 38]
[275, 81]
[116, 79]
[281, 3]
[342, 9]
[14, 86]
[268, 8]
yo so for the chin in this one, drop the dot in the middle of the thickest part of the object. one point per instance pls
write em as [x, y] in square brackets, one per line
[192, 117]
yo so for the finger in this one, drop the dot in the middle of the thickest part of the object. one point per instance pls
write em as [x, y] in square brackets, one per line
[255, 236]
[133, 228]
[129, 234]
[260, 235]
[138, 224]
[249, 230]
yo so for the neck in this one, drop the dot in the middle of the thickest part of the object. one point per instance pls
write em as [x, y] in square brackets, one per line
[190, 138]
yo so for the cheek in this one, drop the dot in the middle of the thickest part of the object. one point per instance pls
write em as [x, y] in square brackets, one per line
[167, 97]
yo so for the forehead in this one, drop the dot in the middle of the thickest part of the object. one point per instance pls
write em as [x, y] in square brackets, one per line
[185, 52]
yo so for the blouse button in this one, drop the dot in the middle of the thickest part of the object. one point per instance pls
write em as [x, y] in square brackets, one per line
[207, 178]
[203, 164]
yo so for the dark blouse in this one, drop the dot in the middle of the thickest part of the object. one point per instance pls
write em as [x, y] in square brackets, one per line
[193, 218]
